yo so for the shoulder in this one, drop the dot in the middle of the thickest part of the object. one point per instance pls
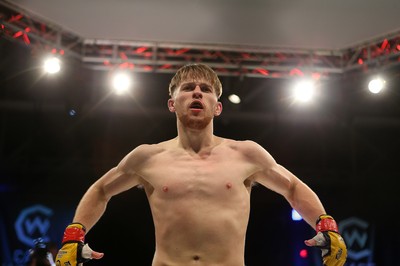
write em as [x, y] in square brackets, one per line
[250, 150]
[245, 146]
[147, 149]
[143, 153]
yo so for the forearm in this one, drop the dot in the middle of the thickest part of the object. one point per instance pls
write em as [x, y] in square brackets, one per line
[91, 207]
[306, 203]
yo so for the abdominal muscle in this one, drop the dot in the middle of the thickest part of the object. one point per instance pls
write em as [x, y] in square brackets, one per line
[201, 230]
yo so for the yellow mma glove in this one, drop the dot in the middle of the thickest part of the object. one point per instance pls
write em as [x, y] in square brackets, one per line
[73, 251]
[331, 243]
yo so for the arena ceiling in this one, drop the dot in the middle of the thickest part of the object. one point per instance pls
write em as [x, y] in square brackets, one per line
[304, 24]
[241, 38]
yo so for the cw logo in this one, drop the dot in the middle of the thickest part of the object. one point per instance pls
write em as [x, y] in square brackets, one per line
[355, 232]
[32, 220]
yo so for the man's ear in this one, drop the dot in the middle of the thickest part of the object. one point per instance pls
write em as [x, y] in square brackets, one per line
[218, 109]
[171, 105]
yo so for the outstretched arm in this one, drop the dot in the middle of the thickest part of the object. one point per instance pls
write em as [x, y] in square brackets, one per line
[94, 203]
[277, 178]
[300, 196]
[304, 201]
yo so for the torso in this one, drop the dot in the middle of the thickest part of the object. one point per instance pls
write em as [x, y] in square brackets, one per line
[200, 203]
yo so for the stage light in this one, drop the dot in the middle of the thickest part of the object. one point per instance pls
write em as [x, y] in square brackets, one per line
[52, 65]
[376, 85]
[296, 216]
[121, 82]
[234, 98]
[304, 90]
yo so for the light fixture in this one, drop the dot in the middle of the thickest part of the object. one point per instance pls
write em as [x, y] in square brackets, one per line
[234, 98]
[304, 90]
[52, 65]
[376, 85]
[121, 82]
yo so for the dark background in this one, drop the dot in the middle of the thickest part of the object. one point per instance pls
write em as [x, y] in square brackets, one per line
[345, 146]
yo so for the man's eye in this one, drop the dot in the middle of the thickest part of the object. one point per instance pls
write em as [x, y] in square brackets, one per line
[206, 88]
[187, 88]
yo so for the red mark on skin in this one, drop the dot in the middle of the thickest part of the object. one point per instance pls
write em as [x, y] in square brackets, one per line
[165, 188]
[228, 185]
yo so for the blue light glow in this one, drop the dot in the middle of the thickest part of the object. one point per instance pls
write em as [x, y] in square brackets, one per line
[296, 216]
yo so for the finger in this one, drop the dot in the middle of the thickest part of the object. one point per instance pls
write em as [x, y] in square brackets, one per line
[97, 255]
[310, 242]
[318, 240]
[89, 253]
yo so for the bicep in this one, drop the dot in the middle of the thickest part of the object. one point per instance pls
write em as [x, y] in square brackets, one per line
[269, 173]
[124, 176]
[276, 178]
[116, 181]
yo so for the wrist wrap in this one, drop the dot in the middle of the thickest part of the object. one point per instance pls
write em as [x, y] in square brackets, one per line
[326, 223]
[75, 232]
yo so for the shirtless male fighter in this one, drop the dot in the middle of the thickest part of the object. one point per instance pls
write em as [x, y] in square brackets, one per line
[198, 186]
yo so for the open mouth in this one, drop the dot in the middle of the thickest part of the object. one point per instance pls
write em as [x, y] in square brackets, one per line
[196, 105]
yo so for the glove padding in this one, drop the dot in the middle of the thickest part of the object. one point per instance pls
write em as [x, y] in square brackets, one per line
[328, 239]
[73, 251]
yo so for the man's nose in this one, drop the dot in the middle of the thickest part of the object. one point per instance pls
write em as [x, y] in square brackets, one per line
[197, 93]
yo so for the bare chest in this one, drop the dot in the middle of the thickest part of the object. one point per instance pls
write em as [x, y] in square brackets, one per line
[209, 175]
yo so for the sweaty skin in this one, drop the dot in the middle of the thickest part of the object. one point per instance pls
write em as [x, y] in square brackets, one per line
[198, 186]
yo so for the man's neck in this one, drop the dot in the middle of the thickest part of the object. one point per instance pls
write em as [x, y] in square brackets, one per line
[195, 140]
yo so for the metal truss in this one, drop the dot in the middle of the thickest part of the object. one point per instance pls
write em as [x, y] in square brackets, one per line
[228, 60]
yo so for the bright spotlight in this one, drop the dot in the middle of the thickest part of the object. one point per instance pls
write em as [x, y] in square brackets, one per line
[52, 65]
[304, 90]
[233, 98]
[376, 85]
[121, 83]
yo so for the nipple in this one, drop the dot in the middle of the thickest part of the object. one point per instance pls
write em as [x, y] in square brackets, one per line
[228, 185]
[165, 188]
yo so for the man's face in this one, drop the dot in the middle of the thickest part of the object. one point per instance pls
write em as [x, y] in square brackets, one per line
[195, 103]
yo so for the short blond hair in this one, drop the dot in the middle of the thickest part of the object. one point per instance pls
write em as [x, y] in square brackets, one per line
[195, 72]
